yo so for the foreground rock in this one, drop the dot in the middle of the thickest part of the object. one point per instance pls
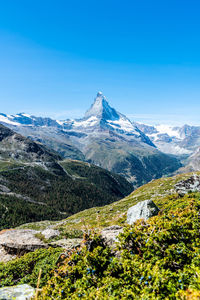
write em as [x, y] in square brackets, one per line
[191, 184]
[18, 292]
[110, 234]
[142, 210]
[19, 241]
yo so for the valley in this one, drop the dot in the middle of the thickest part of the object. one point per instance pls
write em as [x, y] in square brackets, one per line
[82, 202]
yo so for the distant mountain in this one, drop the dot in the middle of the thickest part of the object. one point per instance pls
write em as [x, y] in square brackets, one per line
[174, 140]
[104, 137]
[35, 184]
[192, 163]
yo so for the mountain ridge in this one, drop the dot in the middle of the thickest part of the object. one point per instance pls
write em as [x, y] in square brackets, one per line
[103, 137]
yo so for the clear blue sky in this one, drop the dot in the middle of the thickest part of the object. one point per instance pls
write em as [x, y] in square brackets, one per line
[144, 55]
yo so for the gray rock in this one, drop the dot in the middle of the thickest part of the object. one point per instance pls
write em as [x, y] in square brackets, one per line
[5, 256]
[18, 292]
[50, 233]
[110, 234]
[19, 240]
[67, 244]
[142, 210]
[4, 189]
[191, 184]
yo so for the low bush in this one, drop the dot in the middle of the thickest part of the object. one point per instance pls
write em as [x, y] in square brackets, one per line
[26, 268]
[156, 259]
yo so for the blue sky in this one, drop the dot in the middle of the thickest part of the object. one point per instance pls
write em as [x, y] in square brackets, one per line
[144, 55]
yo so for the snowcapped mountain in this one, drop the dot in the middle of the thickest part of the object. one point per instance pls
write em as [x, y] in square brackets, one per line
[174, 140]
[23, 119]
[100, 117]
[103, 136]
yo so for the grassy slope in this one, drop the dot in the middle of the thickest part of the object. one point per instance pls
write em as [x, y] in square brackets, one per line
[160, 191]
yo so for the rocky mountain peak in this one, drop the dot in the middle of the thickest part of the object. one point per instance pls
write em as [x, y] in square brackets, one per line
[101, 109]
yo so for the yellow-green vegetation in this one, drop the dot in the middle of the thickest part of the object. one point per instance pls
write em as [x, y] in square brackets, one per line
[157, 259]
[26, 269]
[5, 165]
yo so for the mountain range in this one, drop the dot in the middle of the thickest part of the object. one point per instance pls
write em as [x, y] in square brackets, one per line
[182, 140]
[36, 184]
[103, 137]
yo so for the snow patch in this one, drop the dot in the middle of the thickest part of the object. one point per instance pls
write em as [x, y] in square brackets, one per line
[123, 124]
[6, 120]
[26, 115]
[171, 131]
[60, 122]
[86, 123]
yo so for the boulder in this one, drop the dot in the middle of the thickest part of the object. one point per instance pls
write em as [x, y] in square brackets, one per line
[18, 292]
[110, 234]
[142, 210]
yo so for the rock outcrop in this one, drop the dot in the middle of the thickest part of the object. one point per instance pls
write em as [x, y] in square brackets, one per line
[67, 244]
[110, 234]
[18, 241]
[191, 184]
[142, 210]
[50, 233]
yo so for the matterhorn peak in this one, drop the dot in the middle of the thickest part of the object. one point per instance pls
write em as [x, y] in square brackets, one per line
[101, 109]
[99, 94]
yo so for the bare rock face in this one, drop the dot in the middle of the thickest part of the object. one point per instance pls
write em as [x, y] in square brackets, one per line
[50, 233]
[5, 256]
[110, 234]
[142, 210]
[19, 241]
[18, 292]
[67, 244]
[191, 184]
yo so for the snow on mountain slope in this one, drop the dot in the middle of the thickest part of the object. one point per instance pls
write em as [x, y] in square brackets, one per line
[101, 116]
[100, 108]
[91, 121]
[173, 132]
[7, 120]
[172, 140]
[104, 137]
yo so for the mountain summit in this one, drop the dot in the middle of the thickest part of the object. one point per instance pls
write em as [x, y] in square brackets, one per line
[101, 116]
[100, 108]
[104, 137]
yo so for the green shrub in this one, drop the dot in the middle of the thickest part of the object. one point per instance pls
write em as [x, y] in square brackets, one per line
[26, 268]
[157, 259]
